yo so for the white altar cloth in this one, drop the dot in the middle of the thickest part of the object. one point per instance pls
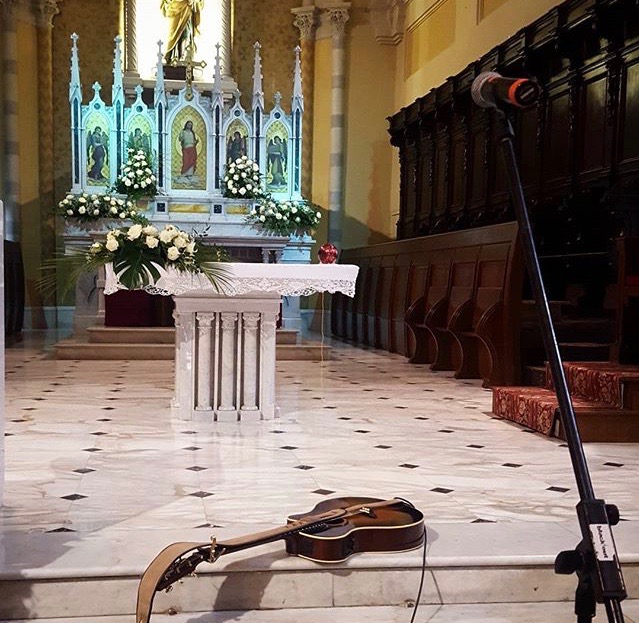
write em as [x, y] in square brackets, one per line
[225, 339]
[243, 278]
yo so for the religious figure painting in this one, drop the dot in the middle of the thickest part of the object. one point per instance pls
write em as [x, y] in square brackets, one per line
[97, 145]
[236, 141]
[183, 27]
[188, 155]
[277, 158]
[139, 135]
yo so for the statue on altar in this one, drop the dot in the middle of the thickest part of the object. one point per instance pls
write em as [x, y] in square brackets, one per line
[184, 26]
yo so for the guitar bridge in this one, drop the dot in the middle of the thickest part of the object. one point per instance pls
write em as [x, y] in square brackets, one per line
[367, 511]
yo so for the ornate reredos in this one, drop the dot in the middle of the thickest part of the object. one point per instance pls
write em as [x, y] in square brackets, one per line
[190, 130]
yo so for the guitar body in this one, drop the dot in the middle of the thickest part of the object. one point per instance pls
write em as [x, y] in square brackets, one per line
[393, 527]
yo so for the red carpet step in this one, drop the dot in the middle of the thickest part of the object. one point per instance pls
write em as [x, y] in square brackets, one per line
[615, 384]
[536, 408]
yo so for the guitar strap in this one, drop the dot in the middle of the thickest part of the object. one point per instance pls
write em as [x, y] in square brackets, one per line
[155, 572]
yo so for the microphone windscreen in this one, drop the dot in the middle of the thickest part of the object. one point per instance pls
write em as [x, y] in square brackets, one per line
[482, 96]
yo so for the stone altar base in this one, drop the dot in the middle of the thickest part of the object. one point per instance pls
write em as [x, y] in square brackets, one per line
[225, 356]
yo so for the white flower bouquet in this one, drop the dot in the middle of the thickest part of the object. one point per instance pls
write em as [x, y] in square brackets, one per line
[137, 179]
[285, 217]
[242, 179]
[137, 252]
[92, 207]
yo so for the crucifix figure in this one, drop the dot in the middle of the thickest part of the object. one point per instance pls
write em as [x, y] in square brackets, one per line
[189, 64]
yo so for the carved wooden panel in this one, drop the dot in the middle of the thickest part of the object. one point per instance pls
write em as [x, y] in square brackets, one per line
[583, 134]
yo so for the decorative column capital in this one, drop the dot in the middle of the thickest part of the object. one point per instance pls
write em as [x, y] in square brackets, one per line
[251, 320]
[9, 7]
[229, 319]
[337, 16]
[306, 21]
[204, 320]
[46, 11]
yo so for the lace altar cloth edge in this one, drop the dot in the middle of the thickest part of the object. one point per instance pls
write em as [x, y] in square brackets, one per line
[244, 278]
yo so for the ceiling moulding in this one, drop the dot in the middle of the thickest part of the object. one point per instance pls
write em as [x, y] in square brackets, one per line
[387, 20]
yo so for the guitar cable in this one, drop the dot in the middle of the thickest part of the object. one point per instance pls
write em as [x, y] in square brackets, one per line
[421, 580]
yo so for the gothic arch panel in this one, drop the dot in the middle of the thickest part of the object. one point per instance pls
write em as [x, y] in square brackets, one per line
[188, 150]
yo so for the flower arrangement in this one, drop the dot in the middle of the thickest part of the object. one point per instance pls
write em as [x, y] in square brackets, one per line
[137, 179]
[242, 179]
[285, 217]
[137, 253]
[86, 207]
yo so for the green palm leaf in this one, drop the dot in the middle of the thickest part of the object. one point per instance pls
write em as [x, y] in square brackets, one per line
[135, 268]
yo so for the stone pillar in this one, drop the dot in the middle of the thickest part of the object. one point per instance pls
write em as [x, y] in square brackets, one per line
[184, 342]
[250, 357]
[47, 11]
[9, 145]
[204, 355]
[337, 15]
[305, 21]
[268, 327]
[225, 37]
[228, 376]
[130, 38]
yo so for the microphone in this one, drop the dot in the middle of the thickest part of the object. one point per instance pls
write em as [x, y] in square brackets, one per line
[490, 89]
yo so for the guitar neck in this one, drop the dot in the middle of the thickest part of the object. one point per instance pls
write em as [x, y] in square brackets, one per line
[268, 536]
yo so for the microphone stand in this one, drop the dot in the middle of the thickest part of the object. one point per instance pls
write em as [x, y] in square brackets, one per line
[595, 559]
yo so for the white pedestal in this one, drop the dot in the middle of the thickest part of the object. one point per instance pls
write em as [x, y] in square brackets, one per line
[225, 356]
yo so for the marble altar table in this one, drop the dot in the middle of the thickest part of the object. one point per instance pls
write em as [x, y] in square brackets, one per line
[225, 340]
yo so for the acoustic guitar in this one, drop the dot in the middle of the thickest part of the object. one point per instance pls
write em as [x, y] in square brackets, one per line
[334, 530]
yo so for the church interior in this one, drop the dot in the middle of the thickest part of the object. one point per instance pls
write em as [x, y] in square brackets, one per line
[424, 380]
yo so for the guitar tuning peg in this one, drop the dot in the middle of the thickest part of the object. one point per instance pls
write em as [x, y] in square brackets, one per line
[168, 589]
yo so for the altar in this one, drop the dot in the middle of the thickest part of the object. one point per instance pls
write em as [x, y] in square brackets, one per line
[191, 131]
[225, 337]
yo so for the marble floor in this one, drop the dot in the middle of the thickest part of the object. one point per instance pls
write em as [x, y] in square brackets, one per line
[91, 449]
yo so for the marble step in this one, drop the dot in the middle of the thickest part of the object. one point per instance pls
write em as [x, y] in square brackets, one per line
[159, 335]
[76, 349]
[540, 612]
[57, 575]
